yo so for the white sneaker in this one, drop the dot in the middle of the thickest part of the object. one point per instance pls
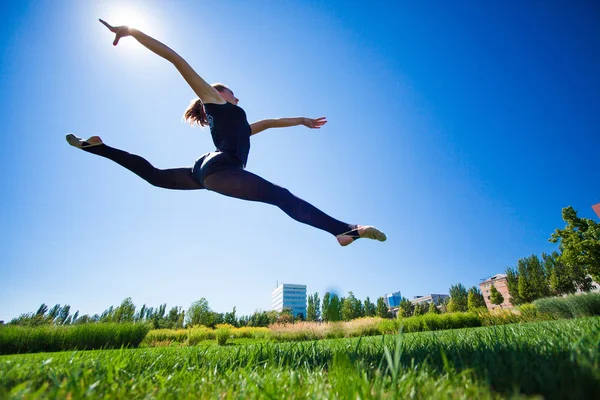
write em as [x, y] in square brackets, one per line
[82, 144]
[368, 232]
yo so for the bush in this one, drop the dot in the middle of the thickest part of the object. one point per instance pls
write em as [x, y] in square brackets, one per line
[434, 322]
[200, 333]
[165, 335]
[223, 334]
[528, 312]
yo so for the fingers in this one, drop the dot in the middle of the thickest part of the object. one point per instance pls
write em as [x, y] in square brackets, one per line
[319, 122]
[107, 25]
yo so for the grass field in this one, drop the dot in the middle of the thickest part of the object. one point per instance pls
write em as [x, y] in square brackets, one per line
[554, 359]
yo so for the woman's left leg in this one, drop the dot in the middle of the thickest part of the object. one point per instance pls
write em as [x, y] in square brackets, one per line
[245, 185]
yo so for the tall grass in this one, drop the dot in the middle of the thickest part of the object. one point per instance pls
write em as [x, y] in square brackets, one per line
[16, 339]
[197, 334]
[555, 360]
[572, 306]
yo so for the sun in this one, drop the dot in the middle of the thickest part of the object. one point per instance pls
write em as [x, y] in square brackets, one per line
[134, 17]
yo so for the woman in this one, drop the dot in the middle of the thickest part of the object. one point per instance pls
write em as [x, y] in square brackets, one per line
[223, 171]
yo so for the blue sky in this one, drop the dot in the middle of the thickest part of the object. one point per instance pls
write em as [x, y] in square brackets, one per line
[461, 129]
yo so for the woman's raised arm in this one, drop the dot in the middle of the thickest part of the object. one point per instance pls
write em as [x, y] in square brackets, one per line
[203, 90]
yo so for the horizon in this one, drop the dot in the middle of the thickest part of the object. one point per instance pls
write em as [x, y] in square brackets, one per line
[460, 130]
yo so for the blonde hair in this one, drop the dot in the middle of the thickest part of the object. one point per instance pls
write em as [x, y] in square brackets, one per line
[195, 112]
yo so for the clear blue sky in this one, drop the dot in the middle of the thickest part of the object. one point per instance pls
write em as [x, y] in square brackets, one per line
[461, 129]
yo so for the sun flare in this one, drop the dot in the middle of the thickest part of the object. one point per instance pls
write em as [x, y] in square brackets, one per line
[134, 17]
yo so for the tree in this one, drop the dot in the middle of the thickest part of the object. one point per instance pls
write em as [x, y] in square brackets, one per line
[325, 311]
[495, 296]
[475, 299]
[230, 318]
[351, 307]
[405, 308]
[125, 312]
[198, 313]
[459, 298]
[512, 283]
[335, 308]
[310, 309]
[433, 309]
[382, 309]
[173, 318]
[417, 310]
[579, 242]
[317, 303]
[533, 279]
[370, 308]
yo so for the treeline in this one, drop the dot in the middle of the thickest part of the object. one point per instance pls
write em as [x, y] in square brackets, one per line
[563, 272]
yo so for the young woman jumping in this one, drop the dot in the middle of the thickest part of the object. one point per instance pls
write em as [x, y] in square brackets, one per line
[223, 170]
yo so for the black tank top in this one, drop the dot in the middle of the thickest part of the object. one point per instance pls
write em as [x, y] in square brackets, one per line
[229, 129]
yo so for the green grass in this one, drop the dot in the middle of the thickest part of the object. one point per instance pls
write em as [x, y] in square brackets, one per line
[555, 359]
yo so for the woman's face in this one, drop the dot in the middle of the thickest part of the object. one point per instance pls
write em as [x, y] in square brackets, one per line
[228, 96]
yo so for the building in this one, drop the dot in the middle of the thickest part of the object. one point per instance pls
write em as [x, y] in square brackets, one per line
[430, 298]
[596, 208]
[288, 295]
[392, 299]
[499, 281]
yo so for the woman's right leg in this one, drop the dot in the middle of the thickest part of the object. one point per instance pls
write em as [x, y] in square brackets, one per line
[174, 178]
[245, 185]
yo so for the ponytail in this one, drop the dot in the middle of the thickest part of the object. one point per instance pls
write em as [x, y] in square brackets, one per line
[195, 113]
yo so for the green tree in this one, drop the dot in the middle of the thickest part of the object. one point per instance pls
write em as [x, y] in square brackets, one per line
[405, 308]
[533, 279]
[351, 307]
[310, 309]
[579, 242]
[335, 308]
[417, 310]
[325, 310]
[382, 309]
[230, 318]
[512, 283]
[495, 296]
[370, 308]
[475, 299]
[317, 303]
[173, 318]
[198, 313]
[433, 308]
[125, 312]
[459, 298]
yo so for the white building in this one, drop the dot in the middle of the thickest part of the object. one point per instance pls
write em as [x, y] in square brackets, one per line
[431, 298]
[289, 295]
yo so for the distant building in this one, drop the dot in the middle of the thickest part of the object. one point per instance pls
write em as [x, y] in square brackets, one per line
[430, 298]
[289, 295]
[392, 299]
[499, 281]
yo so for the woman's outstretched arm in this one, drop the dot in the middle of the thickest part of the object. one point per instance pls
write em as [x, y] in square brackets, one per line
[206, 92]
[285, 122]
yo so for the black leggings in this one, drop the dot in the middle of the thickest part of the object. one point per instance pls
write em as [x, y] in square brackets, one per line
[234, 182]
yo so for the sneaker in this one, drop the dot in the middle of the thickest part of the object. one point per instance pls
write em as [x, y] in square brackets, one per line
[82, 144]
[368, 232]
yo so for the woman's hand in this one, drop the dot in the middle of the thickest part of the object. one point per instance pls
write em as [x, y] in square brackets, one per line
[314, 123]
[119, 31]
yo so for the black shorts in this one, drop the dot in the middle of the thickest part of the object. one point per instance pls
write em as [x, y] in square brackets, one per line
[213, 162]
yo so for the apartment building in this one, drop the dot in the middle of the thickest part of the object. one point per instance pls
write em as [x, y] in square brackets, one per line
[499, 281]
